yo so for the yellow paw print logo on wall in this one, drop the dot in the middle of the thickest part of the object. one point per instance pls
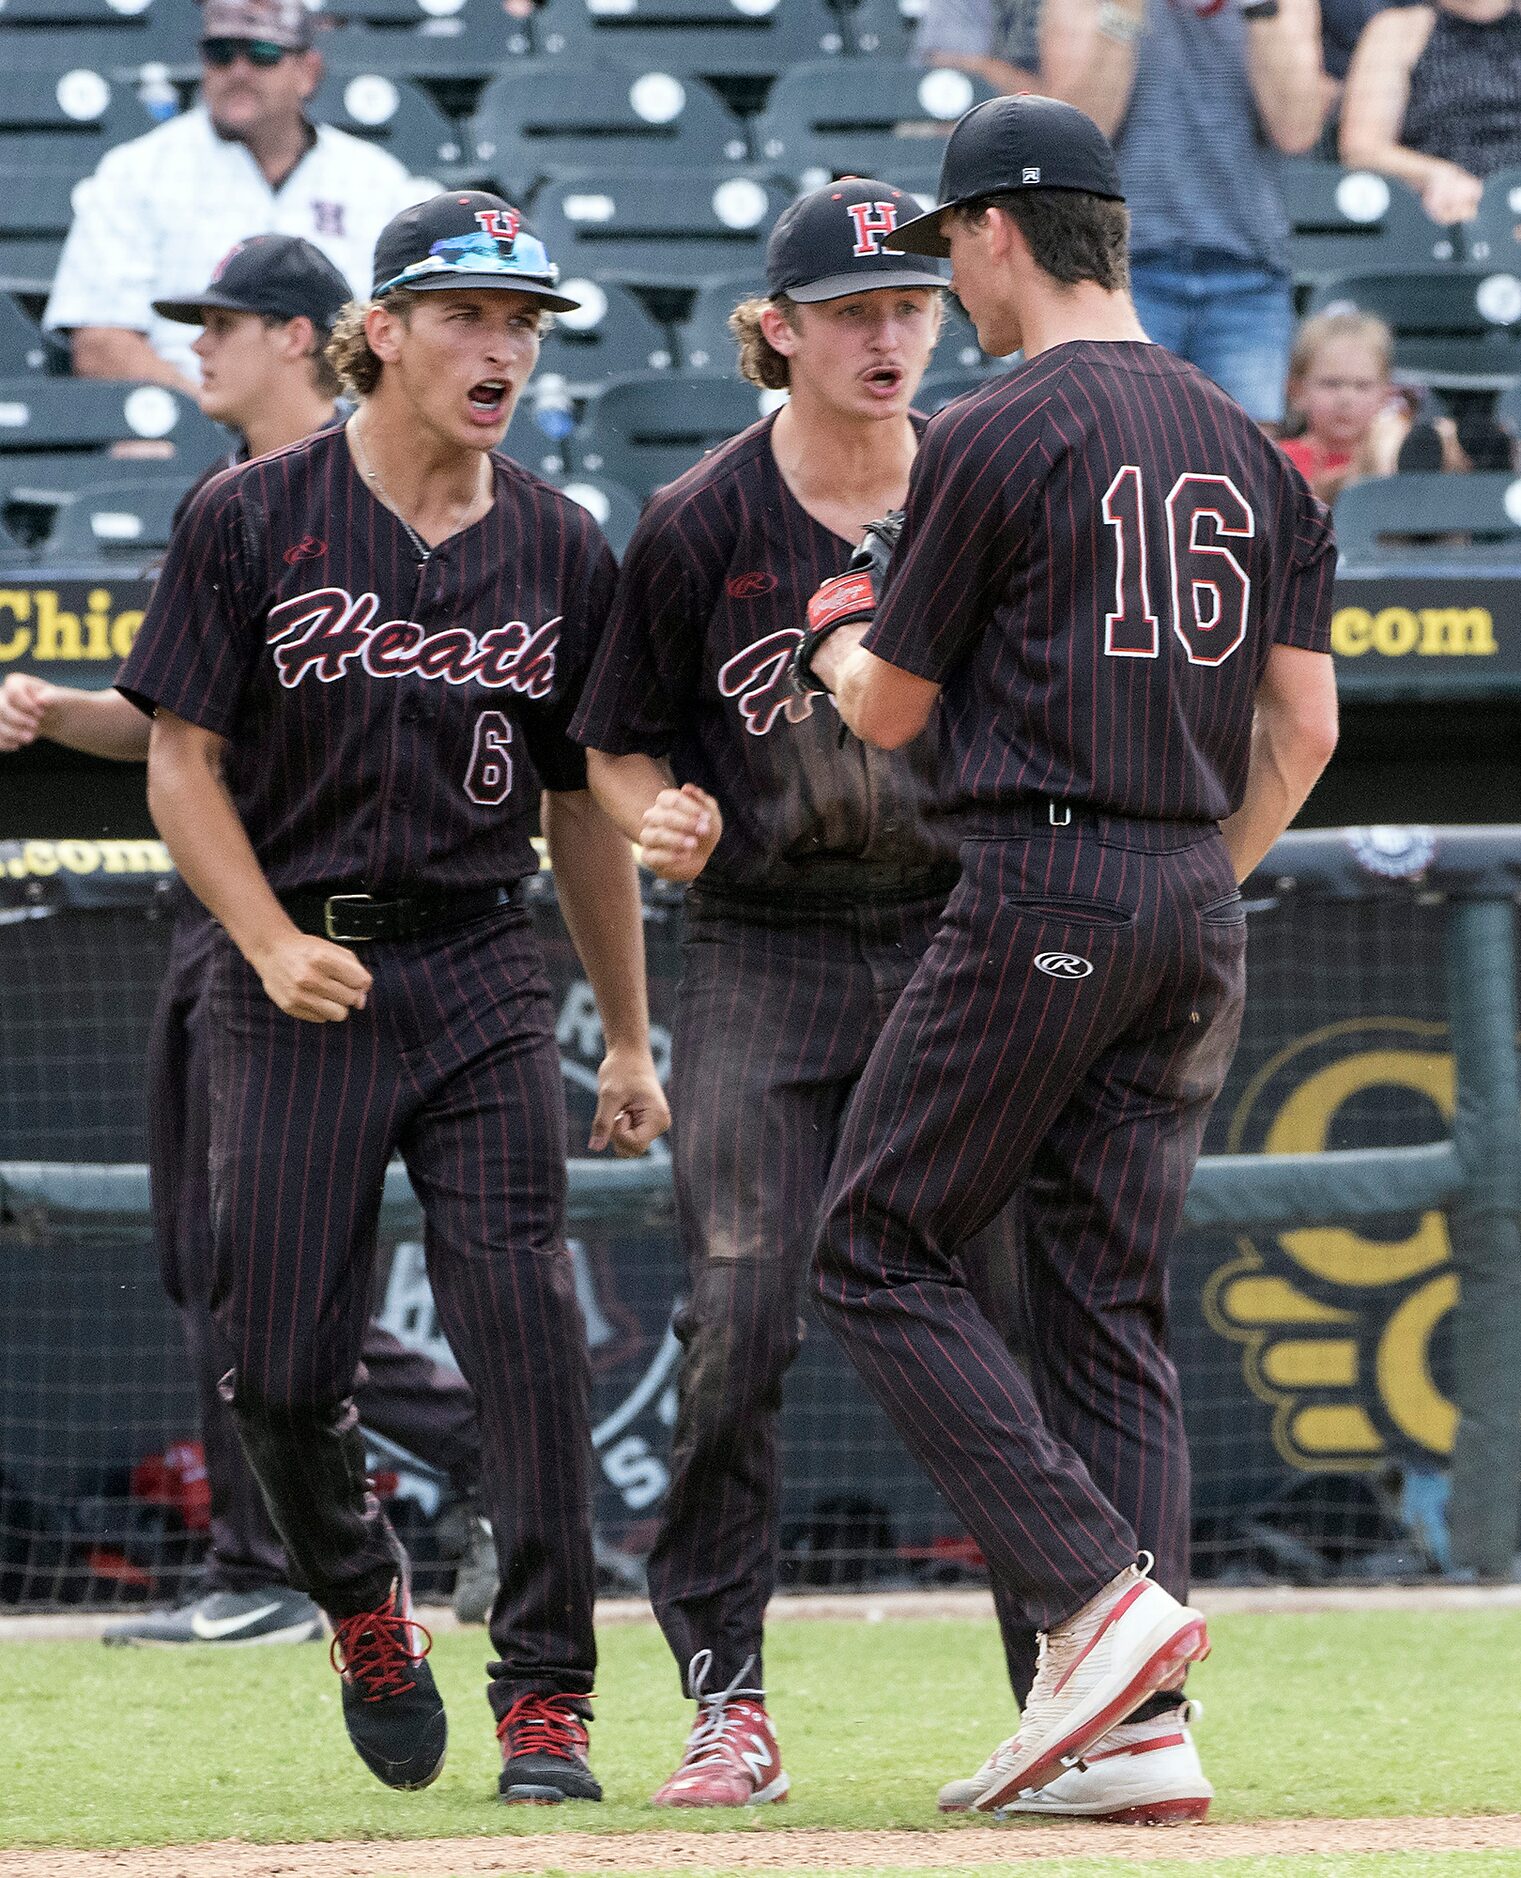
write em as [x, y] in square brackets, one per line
[1338, 1327]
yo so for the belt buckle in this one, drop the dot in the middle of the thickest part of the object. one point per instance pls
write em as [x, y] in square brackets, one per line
[1059, 814]
[330, 918]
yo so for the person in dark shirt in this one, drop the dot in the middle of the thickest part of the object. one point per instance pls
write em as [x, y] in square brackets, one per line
[361, 657]
[1116, 593]
[266, 315]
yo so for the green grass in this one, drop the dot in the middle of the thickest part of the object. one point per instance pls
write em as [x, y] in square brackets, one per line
[1344, 1714]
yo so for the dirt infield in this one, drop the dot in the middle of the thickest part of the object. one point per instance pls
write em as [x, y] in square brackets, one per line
[773, 1850]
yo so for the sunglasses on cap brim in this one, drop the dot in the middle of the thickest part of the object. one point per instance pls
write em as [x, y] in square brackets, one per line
[261, 52]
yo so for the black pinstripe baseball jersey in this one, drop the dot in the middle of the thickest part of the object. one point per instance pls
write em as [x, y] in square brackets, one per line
[711, 600]
[379, 707]
[1099, 550]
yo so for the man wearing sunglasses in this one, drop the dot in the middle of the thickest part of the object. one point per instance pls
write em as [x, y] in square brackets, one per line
[160, 212]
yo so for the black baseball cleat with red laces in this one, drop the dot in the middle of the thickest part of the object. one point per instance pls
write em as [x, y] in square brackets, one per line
[544, 1745]
[391, 1706]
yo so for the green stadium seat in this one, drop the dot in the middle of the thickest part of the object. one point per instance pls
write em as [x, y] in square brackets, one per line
[36, 208]
[120, 518]
[645, 431]
[885, 120]
[705, 342]
[64, 117]
[554, 116]
[659, 228]
[712, 38]
[1459, 329]
[883, 28]
[457, 47]
[1344, 221]
[101, 33]
[612, 333]
[614, 508]
[396, 114]
[1431, 516]
[47, 415]
[1493, 238]
[23, 345]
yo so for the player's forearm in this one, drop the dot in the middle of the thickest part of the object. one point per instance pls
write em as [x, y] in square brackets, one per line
[597, 887]
[121, 352]
[205, 836]
[1284, 70]
[625, 787]
[1291, 745]
[100, 723]
[998, 73]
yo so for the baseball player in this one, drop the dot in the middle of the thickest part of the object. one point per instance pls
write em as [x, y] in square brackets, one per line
[361, 655]
[820, 873]
[265, 316]
[1117, 593]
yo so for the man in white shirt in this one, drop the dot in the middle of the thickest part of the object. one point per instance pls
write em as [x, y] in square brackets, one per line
[161, 211]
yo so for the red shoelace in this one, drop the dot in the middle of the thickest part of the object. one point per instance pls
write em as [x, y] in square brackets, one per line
[538, 1724]
[374, 1650]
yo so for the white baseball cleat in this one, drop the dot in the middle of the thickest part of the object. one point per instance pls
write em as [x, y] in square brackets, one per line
[1139, 1774]
[1133, 1639]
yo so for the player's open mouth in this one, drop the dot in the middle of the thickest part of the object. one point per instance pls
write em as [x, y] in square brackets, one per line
[885, 380]
[488, 399]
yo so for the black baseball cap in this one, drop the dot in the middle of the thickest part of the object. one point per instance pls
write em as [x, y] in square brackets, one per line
[1024, 142]
[281, 276]
[465, 239]
[831, 242]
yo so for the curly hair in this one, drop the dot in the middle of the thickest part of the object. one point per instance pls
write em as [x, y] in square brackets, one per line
[348, 351]
[759, 360]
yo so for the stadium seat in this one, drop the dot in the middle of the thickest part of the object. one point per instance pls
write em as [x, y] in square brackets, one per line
[1343, 221]
[614, 508]
[658, 228]
[647, 430]
[394, 113]
[612, 333]
[706, 344]
[875, 119]
[36, 208]
[958, 350]
[1493, 238]
[65, 118]
[546, 451]
[1459, 329]
[1396, 517]
[883, 28]
[102, 33]
[120, 518]
[23, 347]
[551, 116]
[712, 38]
[49, 415]
[454, 48]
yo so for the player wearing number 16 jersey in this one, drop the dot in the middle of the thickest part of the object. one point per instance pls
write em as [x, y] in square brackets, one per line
[1119, 594]
[362, 655]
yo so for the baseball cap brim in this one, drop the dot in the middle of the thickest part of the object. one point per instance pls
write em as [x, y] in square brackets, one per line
[193, 312]
[922, 235]
[879, 280]
[457, 280]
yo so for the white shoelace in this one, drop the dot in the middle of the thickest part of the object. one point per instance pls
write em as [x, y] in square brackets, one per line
[706, 1744]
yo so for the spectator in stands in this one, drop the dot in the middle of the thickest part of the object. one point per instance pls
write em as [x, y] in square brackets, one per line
[1434, 97]
[1200, 98]
[1341, 392]
[160, 211]
[996, 40]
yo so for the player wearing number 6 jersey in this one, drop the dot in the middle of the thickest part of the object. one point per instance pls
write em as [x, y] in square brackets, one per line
[1119, 594]
[362, 655]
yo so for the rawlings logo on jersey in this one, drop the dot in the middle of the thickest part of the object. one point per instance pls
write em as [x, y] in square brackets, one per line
[324, 634]
[761, 679]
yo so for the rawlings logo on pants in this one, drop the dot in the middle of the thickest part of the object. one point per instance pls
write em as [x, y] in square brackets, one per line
[326, 632]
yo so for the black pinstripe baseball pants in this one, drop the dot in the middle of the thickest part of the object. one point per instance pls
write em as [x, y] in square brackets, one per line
[1062, 1040]
[452, 1064]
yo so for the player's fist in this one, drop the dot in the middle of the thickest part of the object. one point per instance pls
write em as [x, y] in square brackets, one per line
[23, 707]
[312, 978]
[680, 830]
[1450, 194]
[631, 1105]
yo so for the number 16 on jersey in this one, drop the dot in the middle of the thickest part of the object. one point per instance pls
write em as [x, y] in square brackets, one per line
[1208, 590]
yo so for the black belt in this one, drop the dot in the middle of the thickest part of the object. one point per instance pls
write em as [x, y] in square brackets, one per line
[1041, 814]
[355, 917]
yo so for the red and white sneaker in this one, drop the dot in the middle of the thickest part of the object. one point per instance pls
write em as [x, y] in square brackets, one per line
[1133, 1639]
[731, 1757]
[1139, 1774]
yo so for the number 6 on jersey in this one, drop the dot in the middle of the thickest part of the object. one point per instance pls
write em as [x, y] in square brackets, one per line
[1210, 589]
[489, 778]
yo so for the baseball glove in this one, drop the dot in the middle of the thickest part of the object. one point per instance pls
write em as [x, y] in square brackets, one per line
[847, 598]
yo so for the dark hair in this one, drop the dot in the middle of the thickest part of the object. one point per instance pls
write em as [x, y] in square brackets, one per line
[1072, 236]
[325, 379]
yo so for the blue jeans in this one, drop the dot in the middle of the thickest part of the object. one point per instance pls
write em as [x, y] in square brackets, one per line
[1232, 319]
